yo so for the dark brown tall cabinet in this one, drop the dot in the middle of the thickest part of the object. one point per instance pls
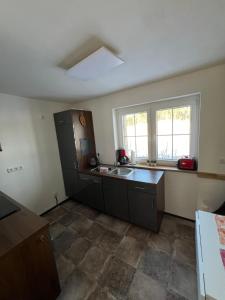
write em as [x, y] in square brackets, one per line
[75, 134]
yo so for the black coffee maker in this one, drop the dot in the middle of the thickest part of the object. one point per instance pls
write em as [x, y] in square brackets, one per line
[121, 156]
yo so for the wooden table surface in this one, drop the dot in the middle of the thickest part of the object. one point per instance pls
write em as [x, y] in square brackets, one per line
[18, 226]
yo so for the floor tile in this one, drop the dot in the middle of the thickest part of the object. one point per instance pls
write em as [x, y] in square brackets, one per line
[156, 264]
[117, 277]
[130, 250]
[95, 232]
[78, 250]
[56, 229]
[77, 287]
[184, 251]
[70, 205]
[183, 281]
[101, 294]
[138, 233]
[169, 227]
[183, 221]
[55, 214]
[68, 218]
[178, 227]
[113, 224]
[98, 255]
[174, 296]
[186, 232]
[65, 267]
[81, 224]
[144, 287]
[87, 212]
[93, 262]
[160, 242]
[64, 241]
[109, 241]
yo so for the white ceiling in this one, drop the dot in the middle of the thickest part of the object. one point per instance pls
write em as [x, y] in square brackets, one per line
[155, 38]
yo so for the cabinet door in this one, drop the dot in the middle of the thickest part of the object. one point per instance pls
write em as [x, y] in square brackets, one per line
[71, 182]
[95, 196]
[115, 196]
[13, 277]
[29, 270]
[90, 191]
[66, 143]
[63, 118]
[40, 267]
[142, 209]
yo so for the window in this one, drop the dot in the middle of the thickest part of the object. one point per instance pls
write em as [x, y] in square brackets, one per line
[135, 133]
[162, 130]
[173, 132]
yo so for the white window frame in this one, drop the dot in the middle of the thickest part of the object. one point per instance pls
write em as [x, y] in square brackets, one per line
[192, 100]
[131, 110]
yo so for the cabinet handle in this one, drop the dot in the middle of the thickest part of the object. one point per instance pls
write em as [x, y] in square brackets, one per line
[139, 188]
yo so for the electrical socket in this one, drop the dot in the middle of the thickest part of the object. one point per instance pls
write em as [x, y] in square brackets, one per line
[56, 198]
[14, 169]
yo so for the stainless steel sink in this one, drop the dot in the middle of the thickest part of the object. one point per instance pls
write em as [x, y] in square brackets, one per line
[121, 171]
[97, 169]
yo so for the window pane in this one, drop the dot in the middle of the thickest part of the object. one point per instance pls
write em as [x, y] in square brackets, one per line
[142, 146]
[164, 147]
[181, 146]
[164, 121]
[141, 123]
[128, 125]
[181, 120]
[129, 143]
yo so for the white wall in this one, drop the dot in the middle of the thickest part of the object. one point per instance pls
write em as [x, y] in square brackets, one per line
[184, 192]
[30, 141]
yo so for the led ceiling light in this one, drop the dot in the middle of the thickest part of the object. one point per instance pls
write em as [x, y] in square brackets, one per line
[96, 64]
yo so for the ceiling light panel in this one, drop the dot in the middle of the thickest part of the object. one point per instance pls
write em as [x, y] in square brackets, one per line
[95, 65]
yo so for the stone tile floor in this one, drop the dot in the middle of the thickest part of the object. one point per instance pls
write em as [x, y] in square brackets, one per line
[100, 257]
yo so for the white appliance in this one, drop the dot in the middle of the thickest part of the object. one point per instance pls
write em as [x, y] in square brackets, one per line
[210, 264]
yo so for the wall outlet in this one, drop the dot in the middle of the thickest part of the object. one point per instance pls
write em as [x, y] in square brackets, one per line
[14, 169]
[56, 198]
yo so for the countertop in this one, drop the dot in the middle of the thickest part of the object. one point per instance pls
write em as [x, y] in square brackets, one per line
[138, 175]
[18, 226]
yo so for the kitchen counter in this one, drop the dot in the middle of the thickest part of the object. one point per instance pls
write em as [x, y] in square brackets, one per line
[27, 264]
[138, 175]
[14, 229]
[137, 198]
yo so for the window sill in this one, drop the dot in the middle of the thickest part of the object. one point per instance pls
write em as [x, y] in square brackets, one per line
[161, 168]
[200, 174]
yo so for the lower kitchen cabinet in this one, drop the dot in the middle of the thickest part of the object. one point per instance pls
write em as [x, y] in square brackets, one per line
[140, 203]
[115, 195]
[146, 204]
[142, 209]
[27, 264]
[90, 191]
[71, 182]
